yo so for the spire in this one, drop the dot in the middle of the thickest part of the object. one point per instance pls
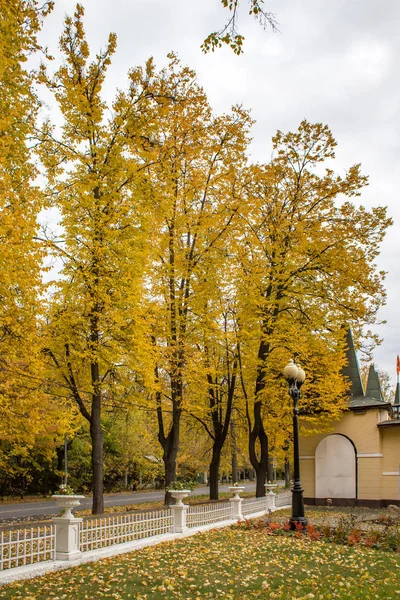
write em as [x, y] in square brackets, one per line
[351, 370]
[396, 403]
[373, 385]
[397, 395]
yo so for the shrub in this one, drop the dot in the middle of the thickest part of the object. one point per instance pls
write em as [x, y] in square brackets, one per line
[354, 537]
[312, 533]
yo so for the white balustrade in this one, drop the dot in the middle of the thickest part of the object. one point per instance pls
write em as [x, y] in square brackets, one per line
[204, 514]
[118, 529]
[25, 546]
[255, 505]
[284, 499]
[67, 537]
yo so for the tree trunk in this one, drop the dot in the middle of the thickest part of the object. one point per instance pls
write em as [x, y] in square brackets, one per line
[170, 477]
[214, 470]
[260, 465]
[261, 476]
[170, 445]
[96, 434]
[257, 431]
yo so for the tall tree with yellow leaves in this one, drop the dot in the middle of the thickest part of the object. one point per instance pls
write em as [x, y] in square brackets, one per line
[306, 252]
[24, 405]
[94, 170]
[195, 184]
[212, 385]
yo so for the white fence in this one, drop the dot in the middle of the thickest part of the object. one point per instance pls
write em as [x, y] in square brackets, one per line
[255, 505]
[204, 514]
[66, 538]
[26, 546]
[118, 529]
[283, 499]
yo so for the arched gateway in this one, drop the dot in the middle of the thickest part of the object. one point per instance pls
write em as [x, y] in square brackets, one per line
[335, 468]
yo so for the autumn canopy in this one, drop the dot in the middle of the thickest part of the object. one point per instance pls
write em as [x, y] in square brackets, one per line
[185, 277]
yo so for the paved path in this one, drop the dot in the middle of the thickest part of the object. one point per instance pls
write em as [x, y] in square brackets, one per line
[48, 507]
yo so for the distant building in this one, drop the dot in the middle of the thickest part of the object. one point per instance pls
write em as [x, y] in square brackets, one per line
[358, 463]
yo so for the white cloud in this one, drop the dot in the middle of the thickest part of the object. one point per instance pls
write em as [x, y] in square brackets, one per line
[369, 61]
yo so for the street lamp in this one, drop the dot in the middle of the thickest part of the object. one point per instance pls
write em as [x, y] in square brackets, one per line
[295, 377]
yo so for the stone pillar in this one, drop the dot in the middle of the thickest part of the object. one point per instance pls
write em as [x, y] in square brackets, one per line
[270, 495]
[179, 512]
[236, 508]
[236, 502]
[67, 538]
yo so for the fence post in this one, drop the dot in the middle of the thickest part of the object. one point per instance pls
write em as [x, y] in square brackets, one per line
[179, 511]
[236, 502]
[68, 528]
[67, 538]
[270, 496]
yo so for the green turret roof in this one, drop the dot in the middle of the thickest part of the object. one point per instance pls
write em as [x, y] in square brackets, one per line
[359, 400]
[373, 385]
[352, 371]
[397, 395]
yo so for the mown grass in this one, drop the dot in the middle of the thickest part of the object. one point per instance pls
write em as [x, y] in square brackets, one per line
[230, 563]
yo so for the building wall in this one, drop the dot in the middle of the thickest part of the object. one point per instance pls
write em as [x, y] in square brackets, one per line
[369, 478]
[390, 462]
[377, 450]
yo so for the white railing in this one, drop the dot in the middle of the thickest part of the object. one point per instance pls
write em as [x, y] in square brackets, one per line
[107, 531]
[204, 514]
[66, 538]
[283, 499]
[254, 505]
[25, 546]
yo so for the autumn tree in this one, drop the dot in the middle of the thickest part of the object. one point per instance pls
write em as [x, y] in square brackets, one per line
[94, 171]
[213, 395]
[306, 251]
[229, 34]
[131, 454]
[25, 407]
[195, 187]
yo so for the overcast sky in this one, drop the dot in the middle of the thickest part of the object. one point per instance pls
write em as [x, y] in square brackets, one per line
[334, 62]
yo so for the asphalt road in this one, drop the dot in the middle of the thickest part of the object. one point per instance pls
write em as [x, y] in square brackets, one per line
[48, 507]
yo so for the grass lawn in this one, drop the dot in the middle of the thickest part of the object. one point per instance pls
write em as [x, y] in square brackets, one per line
[228, 563]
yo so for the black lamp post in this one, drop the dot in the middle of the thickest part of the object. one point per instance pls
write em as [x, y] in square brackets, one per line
[295, 377]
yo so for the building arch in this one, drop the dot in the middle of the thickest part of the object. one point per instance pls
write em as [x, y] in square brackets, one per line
[336, 468]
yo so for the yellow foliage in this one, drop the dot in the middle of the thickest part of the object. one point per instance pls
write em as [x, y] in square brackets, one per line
[28, 416]
[305, 254]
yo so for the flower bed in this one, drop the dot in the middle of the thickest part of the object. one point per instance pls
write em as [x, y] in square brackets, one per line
[373, 529]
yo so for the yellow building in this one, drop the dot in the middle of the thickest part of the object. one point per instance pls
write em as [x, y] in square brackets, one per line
[358, 462]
